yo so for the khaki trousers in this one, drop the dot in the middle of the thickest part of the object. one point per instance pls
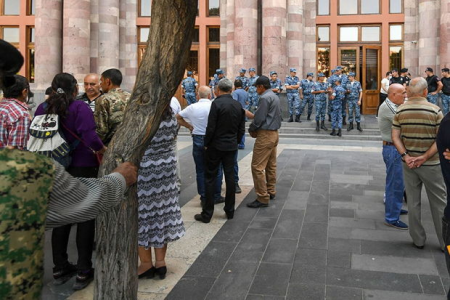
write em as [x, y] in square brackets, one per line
[264, 164]
[431, 177]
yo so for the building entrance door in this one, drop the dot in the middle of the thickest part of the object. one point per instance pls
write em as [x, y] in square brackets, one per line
[365, 62]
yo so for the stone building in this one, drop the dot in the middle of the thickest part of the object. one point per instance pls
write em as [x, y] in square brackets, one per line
[368, 37]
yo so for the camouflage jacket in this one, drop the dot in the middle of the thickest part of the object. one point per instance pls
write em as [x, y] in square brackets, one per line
[108, 113]
[26, 180]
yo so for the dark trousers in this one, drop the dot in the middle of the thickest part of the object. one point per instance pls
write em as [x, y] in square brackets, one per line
[85, 232]
[446, 237]
[213, 159]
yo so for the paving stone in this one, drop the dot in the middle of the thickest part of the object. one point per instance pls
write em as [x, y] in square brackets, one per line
[388, 295]
[313, 235]
[302, 186]
[343, 205]
[280, 251]
[271, 279]
[380, 235]
[308, 274]
[267, 223]
[273, 211]
[439, 260]
[343, 293]
[340, 198]
[342, 212]
[190, 287]
[264, 297]
[306, 292]
[339, 232]
[339, 259]
[313, 257]
[247, 255]
[304, 176]
[322, 176]
[316, 213]
[446, 283]
[318, 199]
[352, 223]
[234, 281]
[392, 248]
[341, 178]
[346, 245]
[373, 280]
[289, 224]
[255, 239]
[432, 284]
[296, 204]
[369, 214]
[231, 231]
[212, 260]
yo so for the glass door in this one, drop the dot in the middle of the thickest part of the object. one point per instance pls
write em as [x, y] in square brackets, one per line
[349, 60]
[371, 79]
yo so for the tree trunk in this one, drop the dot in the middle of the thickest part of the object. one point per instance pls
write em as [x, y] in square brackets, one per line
[159, 75]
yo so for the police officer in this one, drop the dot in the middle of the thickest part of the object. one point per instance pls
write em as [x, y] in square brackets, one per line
[404, 74]
[337, 96]
[344, 80]
[275, 83]
[331, 85]
[306, 88]
[243, 78]
[320, 93]
[445, 96]
[292, 84]
[396, 78]
[354, 98]
[434, 86]
[253, 97]
[189, 85]
[219, 75]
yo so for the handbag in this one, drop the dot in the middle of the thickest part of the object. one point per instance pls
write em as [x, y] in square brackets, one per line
[98, 155]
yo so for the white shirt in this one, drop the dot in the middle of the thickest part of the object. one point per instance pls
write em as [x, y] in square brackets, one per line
[197, 114]
[175, 105]
[385, 84]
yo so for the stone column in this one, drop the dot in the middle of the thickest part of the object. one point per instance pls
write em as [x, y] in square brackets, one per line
[76, 38]
[94, 36]
[230, 26]
[411, 37]
[445, 34]
[48, 45]
[309, 38]
[108, 35]
[428, 35]
[295, 35]
[274, 37]
[223, 36]
[128, 43]
[245, 35]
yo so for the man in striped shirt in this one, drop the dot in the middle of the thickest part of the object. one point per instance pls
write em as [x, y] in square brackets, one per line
[414, 131]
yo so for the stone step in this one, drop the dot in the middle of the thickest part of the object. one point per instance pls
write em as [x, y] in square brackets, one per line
[312, 124]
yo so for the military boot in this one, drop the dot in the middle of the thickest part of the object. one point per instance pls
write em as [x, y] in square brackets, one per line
[329, 118]
[358, 126]
[309, 117]
[343, 121]
[297, 118]
[291, 119]
[317, 126]
[322, 126]
[350, 126]
[333, 132]
[339, 132]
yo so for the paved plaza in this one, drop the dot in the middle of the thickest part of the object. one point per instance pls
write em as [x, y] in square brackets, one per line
[322, 238]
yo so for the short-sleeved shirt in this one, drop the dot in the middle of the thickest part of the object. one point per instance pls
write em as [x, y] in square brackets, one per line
[189, 85]
[197, 114]
[14, 123]
[354, 88]
[446, 85]
[241, 96]
[432, 83]
[320, 86]
[292, 81]
[419, 121]
[399, 80]
[307, 86]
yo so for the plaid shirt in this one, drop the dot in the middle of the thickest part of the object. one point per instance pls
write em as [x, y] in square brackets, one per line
[14, 123]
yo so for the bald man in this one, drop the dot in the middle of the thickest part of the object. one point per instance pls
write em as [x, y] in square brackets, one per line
[92, 90]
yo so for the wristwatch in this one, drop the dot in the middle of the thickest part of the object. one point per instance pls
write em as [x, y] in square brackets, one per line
[403, 154]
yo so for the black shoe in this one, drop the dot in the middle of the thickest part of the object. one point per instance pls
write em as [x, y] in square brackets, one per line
[220, 200]
[230, 215]
[291, 119]
[403, 212]
[309, 117]
[333, 132]
[272, 197]
[257, 204]
[62, 275]
[150, 273]
[339, 132]
[419, 247]
[200, 218]
[317, 126]
[358, 126]
[350, 126]
[83, 279]
[238, 189]
[329, 118]
[161, 272]
[322, 126]
[343, 121]
[297, 119]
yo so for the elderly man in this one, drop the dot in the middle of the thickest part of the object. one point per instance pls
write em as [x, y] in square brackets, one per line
[265, 125]
[414, 131]
[91, 90]
[394, 175]
[226, 126]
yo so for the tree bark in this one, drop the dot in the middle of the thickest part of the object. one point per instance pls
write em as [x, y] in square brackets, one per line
[158, 77]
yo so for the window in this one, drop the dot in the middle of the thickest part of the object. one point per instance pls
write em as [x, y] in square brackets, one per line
[348, 7]
[323, 60]
[11, 7]
[370, 34]
[30, 54]
[323, 34]
[143, 33]
[193, 62]
[396, 32]
[370, 7]
[395, 57]
[196, 38]
[323, 7]
[31, 4]
[213, 61]
[11, 35]
[348, 34]
[213, 34]
[145, 8]
[395, 6]
[213, 8]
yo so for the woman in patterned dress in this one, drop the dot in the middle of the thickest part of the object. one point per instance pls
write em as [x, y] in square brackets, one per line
[159, 217]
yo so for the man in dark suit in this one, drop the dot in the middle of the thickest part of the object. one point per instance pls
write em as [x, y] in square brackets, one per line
[226, 126]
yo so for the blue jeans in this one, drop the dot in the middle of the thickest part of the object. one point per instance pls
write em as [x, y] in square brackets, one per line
[198, 152]
[394, 183]
[242, 143]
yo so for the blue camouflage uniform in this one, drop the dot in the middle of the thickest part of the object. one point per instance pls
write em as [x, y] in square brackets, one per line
[336, 114]
[253, 97]
[307, 87]
[331, 84]
[215, 81]
[320, 99]
[344, 81]
[293, 95]
[276, 84]
[189, 85]
[352, 97]
[243, 79]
